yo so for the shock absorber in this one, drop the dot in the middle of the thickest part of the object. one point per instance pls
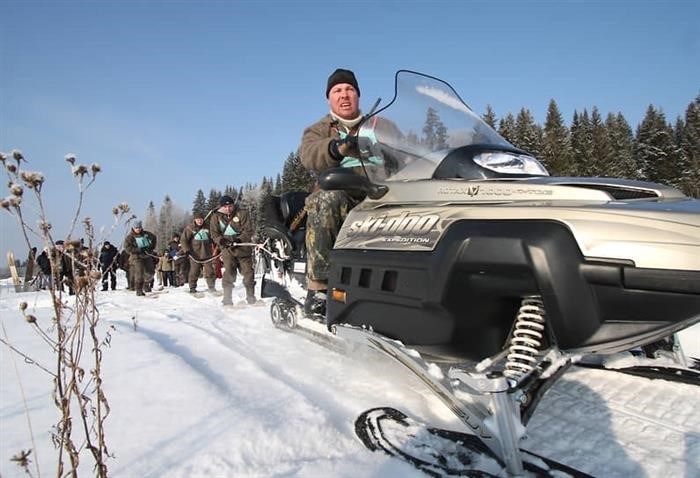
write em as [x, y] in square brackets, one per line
[526, 340]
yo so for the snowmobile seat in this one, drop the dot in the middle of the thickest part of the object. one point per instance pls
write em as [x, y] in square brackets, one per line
[280, 213]
[291, 204]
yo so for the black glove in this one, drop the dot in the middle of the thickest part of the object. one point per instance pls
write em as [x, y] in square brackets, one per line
[340, 148]
[225, 242]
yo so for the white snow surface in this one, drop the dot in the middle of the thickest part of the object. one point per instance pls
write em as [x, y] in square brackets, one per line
[197, 390]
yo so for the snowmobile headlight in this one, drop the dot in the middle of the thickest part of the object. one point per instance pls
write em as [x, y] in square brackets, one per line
[510, 163]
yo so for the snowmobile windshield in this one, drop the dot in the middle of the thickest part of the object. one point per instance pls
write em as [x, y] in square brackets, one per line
[425, 123]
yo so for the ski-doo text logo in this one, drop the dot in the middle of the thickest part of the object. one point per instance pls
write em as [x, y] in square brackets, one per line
[403, 224]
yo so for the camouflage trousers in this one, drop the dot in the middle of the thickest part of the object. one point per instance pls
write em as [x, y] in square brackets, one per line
[326, 211]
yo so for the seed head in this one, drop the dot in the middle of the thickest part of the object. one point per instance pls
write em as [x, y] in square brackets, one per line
[16, 190]
[80, 170]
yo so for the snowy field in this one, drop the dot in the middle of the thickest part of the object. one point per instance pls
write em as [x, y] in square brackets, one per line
[199, 391]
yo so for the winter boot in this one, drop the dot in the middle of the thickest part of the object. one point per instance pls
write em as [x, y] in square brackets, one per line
[228, 293]
[104, 286]
[250, 295]
[210, 285]
[315, 303]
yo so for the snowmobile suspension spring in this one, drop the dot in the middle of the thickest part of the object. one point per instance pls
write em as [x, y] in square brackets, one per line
[526, 340]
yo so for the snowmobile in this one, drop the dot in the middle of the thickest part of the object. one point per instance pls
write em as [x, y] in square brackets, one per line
[470, 265]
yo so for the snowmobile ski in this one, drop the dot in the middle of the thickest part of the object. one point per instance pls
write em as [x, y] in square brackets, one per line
[690, 376]
[439, 452]
[288, 316]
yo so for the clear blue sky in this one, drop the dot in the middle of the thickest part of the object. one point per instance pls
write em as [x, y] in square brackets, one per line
[174, 96]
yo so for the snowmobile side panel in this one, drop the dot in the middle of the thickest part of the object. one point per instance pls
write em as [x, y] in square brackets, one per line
[463, 295]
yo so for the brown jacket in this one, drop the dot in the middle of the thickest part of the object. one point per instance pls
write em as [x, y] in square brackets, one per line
[238, 222]
[139, 245]
[197, 241]
[313, 151]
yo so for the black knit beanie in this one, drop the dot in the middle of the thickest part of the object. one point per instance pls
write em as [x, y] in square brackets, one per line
[342, 76]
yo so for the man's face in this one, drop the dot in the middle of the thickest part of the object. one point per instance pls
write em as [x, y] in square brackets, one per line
[344, 101]
[227, 209]
[138, 230]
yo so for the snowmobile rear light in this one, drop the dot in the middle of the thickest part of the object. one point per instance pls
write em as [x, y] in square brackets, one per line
[338, 295]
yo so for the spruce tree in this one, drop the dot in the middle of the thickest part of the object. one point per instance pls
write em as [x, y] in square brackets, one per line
[620, 139]
[655, 149]
[581, 143]
[690, 146]
[490, 117]
[556, 143]
[277, 190]
[434, 131]
[199, 205]
[150, 221]
[599, 162]
[166, 229]
[506, 128]
[295, 177]
[528, 135]
[213, 200]
[264, 199]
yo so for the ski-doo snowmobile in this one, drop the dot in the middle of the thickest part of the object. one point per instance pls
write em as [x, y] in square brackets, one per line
[486, 277]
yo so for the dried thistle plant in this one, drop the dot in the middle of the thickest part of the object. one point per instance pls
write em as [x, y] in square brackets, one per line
[75, 326]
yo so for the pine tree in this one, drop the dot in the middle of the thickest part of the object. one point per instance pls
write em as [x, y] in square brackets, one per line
[599, 162]
[490, 117]
[265, 196]
[655, 149]
[581, 143]
[528, 135]
[295, 177]
[434, 131]
[690, 146]
[556, 143]
[277, 190]
[213, 200]
[506, 128]
[150, 221]
[199, 205]
[620, 138]
[166, 229]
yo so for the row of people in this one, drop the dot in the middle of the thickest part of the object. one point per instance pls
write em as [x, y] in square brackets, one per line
[227, 236]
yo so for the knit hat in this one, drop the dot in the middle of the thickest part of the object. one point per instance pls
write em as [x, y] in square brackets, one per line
[225, 200]
[137, 225]
[342, 76]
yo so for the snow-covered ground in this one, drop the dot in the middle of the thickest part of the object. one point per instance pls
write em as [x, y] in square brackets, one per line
[197, 390]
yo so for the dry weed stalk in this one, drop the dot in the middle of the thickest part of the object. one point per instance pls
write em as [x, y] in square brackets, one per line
[74, 334]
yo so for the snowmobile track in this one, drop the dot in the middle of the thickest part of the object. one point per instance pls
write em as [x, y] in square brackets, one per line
[438, 452]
